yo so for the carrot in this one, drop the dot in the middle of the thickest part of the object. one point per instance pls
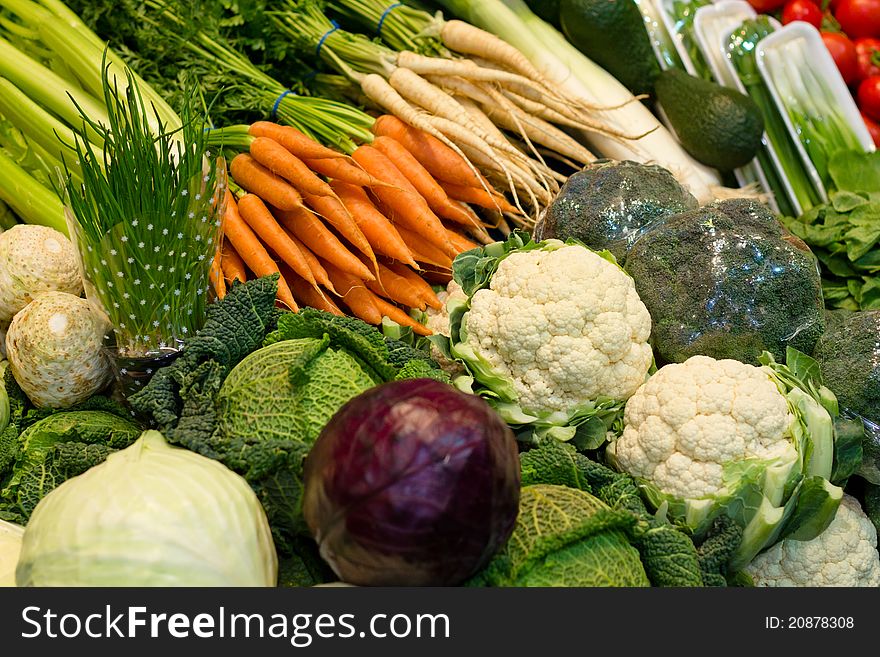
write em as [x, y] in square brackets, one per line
[231, 263]
[332, 210]
[216, 276]
[477, 196]
[298, 143]
[408, 205]
[355, 295]
[318, 271]
[345, 171]
[252, 251]
[441, 161]
[257, 179]
[312, 232]
[309, 296]
[393, 312]
[397, 288]
[422, 181]
[423, 250]
[258, 217]
[426, 292]
[376, 227]
[460, 241]
[282, 162]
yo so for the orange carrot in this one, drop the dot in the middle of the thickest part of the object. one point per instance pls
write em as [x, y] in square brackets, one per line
[345, 171]
[393, 312]
[301, 145]
[380, 232]
[425, 291]
[318, 271]
[257, 179]
[332, 211]
[397, 288]
[478, 196]
[282, 162]
[423, 250]
[443, 162]
[312, 232]
[252, 251]
[354, 294]
[231, 263]
[216, 276]
[460, 241]
[409, 207]
[310, 296]
[422, 181]
[267, 228]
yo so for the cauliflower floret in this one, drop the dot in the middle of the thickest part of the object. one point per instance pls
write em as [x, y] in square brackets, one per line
[691, 418]
[845, 554]
[565, 325]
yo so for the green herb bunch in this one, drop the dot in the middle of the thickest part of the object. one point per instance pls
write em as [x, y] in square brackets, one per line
[145, 218]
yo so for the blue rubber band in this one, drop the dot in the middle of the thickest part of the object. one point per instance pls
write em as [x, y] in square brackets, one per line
[274, 113]
[384, 16]
[324, 38]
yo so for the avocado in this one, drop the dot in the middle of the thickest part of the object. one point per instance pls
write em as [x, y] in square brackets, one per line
[612, 33]
[609, 204]
[547, 10]
[718, 126]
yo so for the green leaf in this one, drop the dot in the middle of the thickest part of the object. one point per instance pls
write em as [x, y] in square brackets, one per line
[814, 508]
[847, 201]
[865, 230]
[855, 171]
[849, 433]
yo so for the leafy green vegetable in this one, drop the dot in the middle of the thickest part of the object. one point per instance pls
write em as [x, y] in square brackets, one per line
[59, 447]
[668, 554]
[255, 387]
[845, 233]
[566, 537]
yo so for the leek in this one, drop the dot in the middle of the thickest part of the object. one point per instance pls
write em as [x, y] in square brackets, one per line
[563, 64]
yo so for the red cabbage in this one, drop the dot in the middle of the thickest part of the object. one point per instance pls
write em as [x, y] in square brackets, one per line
[412, 483]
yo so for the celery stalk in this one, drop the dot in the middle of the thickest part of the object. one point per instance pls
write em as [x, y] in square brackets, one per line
[28, 198]
[49, 90]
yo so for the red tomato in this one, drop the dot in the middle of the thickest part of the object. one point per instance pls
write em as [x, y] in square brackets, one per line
[844, 53]
[859, 18]
[873, 129]
[869, 97]
[868, 51]
[802, 10]
[766, 6]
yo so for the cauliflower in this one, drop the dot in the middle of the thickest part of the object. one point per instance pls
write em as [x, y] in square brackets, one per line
[845, 554]
[564, 325]
[709, 437]
[688, 420]
[35, 259]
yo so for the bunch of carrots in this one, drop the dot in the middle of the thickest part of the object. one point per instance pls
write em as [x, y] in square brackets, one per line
[370, 232]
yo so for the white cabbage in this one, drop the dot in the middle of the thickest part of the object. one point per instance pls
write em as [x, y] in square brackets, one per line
[150, 515]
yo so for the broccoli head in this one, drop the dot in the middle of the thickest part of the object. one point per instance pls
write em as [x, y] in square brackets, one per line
[727, 281]
[609, 204]
[849, 357]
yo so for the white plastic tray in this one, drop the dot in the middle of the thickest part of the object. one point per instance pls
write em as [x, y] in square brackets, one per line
[713, 26]
[822, 62]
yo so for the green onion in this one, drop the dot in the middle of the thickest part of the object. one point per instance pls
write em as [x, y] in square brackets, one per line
[741, 50]
[684, 12]
[145, 220]
[811, 105]
[661, 41]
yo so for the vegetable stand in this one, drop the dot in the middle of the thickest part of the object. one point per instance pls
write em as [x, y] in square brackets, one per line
[452, 293]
